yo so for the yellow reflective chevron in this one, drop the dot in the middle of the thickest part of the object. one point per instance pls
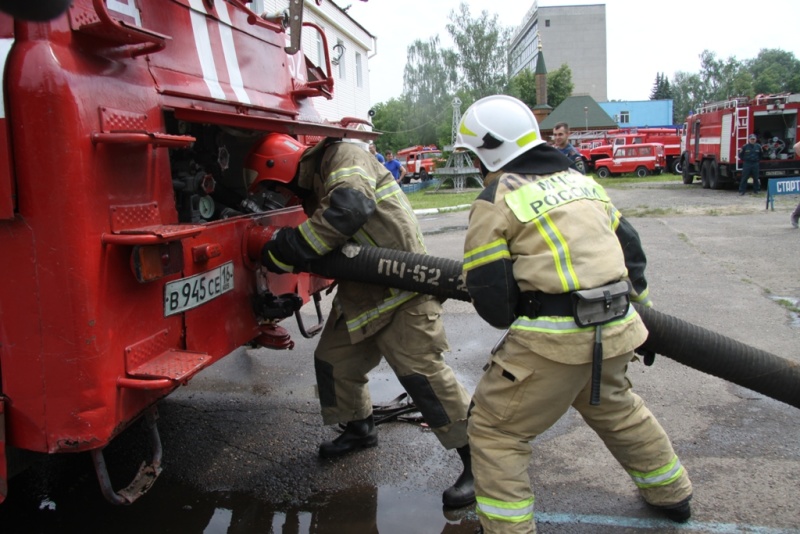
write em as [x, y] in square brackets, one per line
[346, 172]
[662, 476]
[511, 512]
[537, 198]
[560, 250]
[496, 250]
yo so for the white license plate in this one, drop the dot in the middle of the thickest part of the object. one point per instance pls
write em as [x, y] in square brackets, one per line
[193, 291]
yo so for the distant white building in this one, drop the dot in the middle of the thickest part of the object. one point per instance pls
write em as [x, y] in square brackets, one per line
[575, 35]
[349, 45]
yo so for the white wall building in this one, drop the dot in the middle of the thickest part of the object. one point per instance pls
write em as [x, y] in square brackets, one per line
[575, 35]
[348, 40]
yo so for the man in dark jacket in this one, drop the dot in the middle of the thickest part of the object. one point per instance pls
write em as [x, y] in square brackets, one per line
[750, 154]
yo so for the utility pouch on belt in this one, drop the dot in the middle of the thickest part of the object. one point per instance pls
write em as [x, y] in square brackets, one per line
[602, 304]
[596, 307]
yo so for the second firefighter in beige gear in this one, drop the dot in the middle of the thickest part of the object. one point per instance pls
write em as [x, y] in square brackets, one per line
[538, 232]
[351, 197]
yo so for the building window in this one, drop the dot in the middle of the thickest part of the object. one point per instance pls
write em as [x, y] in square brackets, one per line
[339, 52]
[624, 117]
[359, 76]
[320, 50]
[547, 23]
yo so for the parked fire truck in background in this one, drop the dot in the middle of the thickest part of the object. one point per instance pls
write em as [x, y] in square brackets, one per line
[715, 133]
[130, 238]
[419, 161]
[669, 137]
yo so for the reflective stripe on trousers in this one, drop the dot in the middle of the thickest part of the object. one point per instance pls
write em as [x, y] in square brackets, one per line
[512, 512]
[662, 476]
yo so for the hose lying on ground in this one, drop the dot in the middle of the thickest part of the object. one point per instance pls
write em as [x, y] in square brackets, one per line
[669, 336]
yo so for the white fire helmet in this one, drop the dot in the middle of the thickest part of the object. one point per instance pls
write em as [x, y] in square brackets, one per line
[498, 129]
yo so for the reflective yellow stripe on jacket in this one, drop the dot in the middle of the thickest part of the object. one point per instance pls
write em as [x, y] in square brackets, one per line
[564, 325]
[496, 250]
[512, 512]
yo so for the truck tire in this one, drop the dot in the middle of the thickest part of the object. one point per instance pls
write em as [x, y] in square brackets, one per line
[688, 176]
[713, 175]
[603, 172]
[704, 172]
[642, 171]
[424, 176]
[676, 166]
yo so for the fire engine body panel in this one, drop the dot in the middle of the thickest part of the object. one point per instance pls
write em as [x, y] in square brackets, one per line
[714, 135]
[124, 217]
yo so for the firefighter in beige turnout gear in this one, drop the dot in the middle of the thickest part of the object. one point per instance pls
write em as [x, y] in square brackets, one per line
[350, 196]
[538, 233]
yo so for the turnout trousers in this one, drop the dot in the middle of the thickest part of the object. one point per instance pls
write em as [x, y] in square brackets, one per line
[412, 343]
[514, 405]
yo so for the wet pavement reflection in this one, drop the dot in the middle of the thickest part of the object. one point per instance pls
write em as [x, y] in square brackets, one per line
[171, 507]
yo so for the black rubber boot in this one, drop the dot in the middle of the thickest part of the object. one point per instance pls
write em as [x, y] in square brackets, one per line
[462, 493]
[359, 434]
[679, 512]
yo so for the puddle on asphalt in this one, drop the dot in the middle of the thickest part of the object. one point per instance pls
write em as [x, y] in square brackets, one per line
[791, 304]
[170, 507]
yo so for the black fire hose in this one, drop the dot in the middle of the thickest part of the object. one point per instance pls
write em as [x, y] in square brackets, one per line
[669, 336]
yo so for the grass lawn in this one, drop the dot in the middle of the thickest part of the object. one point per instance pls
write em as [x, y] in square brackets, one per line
[427, 199]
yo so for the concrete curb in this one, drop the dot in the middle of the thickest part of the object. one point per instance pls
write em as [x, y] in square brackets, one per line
[430, 211]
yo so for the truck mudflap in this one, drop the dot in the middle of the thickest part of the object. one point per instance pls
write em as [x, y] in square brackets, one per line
[3, 466]
[144, 478]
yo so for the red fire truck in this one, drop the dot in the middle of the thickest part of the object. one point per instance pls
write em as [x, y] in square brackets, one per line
[715, 133]
[669, 137]
[128, 232]
[419, 161]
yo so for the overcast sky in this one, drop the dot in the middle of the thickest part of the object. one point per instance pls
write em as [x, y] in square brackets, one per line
[658, 37]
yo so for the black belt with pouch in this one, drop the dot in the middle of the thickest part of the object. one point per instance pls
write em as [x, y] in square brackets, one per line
[588, 307]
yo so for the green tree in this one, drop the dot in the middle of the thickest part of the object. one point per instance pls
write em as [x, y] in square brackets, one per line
[523, 86]
[481, 51]
[723, 79]
[428, 79]
[559, 85]
[688, 94]
[392, 119]
[661, 89]
[774, 71]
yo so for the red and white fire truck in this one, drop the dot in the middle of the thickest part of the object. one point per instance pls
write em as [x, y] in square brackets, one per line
[669, 137]
[419, 161]
[129, 237]
[715, 133]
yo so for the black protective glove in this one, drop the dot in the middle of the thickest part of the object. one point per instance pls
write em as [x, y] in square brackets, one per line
[648, 356]
[277, 254]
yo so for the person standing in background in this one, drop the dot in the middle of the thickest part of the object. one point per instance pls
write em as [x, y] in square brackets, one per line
[796, 213]
[374, 152]
[750, 155]
[395, 167]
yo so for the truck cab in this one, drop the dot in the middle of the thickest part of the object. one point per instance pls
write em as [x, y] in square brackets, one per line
[642, 159]
[419, 161]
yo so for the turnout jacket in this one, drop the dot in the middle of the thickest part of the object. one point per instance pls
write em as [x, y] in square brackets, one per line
[555, 233]
[355, 198]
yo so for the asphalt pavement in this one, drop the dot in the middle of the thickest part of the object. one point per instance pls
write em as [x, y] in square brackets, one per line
[240, 441]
